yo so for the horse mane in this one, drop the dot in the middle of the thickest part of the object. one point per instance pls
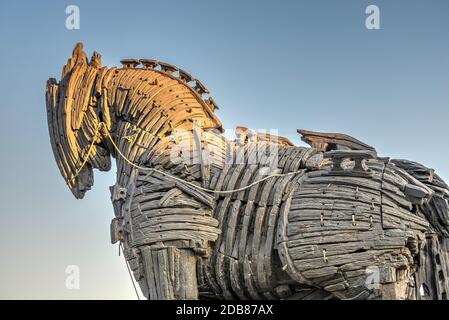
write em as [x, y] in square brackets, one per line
[135, 91]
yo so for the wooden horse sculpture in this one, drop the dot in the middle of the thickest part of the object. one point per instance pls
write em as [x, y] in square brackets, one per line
[200, 216]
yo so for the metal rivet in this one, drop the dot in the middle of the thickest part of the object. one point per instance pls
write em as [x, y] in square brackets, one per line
[325, 259]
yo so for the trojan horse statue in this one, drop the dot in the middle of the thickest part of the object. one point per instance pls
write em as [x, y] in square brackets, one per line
[199, 216]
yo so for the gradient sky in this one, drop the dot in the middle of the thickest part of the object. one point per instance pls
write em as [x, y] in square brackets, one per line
[269, 65]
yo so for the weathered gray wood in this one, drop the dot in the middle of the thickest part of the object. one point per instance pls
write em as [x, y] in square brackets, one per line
[337, 139]
[317, 234]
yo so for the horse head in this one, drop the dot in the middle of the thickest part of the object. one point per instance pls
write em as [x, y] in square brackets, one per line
[74, 116]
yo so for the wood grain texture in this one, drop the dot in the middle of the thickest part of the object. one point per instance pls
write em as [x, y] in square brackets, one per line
[350, 225]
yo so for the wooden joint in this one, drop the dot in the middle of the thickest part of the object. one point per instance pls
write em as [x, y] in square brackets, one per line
[185, 76]
[168, 68]
[211, 102]
[118, 193]
[358, 156]
[149, 63]
[325, 259]
[200, 88]
[117, 230]
[130, 63]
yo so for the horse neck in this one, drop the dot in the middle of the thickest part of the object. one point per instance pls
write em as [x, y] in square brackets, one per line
[145, 107]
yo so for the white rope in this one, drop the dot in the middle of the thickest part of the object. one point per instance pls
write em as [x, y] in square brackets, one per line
[91, 148]
[101, 124]
[192, 184]
[129, 270]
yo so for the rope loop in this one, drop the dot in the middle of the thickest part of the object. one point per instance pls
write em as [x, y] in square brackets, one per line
[97, 135]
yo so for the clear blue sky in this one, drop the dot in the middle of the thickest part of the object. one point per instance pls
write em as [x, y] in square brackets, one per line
[269, 65]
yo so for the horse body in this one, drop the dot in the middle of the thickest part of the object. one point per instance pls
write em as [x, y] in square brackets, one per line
[204, 225]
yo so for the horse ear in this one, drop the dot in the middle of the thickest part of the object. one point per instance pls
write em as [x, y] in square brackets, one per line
[73, 123]
[78, 58]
